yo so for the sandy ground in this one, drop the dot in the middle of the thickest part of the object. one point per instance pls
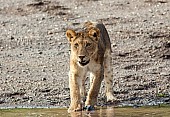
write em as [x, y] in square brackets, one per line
[34, 52]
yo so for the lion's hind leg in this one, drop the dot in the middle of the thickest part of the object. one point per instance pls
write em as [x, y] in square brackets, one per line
[108, 76]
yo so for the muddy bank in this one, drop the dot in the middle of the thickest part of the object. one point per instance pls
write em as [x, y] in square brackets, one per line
[34, 52]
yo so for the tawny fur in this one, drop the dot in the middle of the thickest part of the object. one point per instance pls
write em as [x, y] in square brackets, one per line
[90, 52]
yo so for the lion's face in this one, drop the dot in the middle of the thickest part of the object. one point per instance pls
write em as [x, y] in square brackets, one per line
[83, 45]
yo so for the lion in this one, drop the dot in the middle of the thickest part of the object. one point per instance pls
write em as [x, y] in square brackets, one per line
[90, 52]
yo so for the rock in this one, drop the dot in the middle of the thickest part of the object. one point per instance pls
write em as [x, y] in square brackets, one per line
[89, 108]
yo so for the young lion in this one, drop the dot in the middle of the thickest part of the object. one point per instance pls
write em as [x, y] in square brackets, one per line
[90, 52]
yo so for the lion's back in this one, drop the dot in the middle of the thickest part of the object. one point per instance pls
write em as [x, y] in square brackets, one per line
[104, 36]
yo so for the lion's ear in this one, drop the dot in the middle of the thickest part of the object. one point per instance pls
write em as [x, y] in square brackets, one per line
[94, 33]
[70, 34]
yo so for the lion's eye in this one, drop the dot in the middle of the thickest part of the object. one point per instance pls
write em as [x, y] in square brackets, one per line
[76, 45]
[88, 45]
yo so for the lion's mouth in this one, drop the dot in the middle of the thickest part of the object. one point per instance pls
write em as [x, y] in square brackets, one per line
[83, 63]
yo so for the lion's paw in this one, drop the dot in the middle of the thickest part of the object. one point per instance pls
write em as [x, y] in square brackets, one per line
[110, 97]
[71, 109]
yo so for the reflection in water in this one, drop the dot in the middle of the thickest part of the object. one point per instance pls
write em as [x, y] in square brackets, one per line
[109, 112]
[102, 112]
[125, 112]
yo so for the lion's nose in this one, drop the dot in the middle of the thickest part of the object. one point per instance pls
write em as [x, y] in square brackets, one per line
[81, 57]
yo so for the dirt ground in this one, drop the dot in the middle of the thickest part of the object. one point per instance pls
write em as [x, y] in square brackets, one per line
[34, 52]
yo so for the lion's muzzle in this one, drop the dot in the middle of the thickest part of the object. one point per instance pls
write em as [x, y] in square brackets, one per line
[83, 60]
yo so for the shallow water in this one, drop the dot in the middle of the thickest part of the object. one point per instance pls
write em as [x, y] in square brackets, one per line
[107, 112]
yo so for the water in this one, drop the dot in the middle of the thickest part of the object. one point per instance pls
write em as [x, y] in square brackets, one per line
[107, 112]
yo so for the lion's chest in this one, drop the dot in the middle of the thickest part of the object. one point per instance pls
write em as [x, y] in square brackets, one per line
[93, 67]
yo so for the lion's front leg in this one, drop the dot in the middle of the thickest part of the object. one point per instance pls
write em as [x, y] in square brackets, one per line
[74, 93]
[82, 89]
[97, 78]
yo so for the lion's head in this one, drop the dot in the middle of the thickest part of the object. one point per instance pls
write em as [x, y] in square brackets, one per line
[83, 44]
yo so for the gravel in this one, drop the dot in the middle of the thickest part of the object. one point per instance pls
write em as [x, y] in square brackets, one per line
[34, 52]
